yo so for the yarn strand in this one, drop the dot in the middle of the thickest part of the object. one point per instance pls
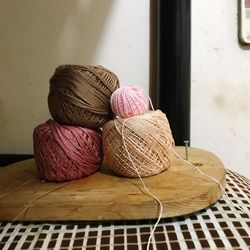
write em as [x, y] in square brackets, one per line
[212, 178]
[202, 173]
[149, 99]
[37, 198]
[160, 211]
[18, 187]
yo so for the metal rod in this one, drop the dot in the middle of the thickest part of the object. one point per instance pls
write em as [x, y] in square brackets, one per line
[186, 142]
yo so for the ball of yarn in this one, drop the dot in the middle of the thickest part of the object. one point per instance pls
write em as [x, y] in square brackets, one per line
[80, 95]
[129, 101]
[147, 138]
[66, 152]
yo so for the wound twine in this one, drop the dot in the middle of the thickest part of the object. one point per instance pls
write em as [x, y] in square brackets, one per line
[150, 155]
[80, 95]
[129, 101]
[66, 152]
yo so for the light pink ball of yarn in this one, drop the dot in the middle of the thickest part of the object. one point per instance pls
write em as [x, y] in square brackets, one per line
[129, 101]
[65, 153]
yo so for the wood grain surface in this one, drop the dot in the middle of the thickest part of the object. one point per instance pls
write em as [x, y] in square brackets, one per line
[106, 196]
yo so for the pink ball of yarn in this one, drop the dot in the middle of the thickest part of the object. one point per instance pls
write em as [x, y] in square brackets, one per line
[66, 152]
[129, 101]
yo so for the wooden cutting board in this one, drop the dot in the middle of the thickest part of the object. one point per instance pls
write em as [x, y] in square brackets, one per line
[105, 196]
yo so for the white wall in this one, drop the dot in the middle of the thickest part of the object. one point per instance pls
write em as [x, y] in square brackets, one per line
[36, 36]
[220, 117]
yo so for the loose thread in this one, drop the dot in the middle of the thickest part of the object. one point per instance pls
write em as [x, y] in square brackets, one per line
[201, 172]
[15, 189]
[160, 210]
[38, 197]
[212, 178]
[150, 101]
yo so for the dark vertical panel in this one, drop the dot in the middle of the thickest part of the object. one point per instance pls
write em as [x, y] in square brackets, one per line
[153, 41]
[172, 88]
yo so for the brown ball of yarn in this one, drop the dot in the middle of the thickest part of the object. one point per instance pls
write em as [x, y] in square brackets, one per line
[147, 138]
[80, 95]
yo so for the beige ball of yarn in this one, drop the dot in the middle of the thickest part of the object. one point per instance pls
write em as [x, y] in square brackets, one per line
[80, 95]
[148, 139]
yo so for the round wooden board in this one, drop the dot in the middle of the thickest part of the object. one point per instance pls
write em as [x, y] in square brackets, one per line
[105, 196]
